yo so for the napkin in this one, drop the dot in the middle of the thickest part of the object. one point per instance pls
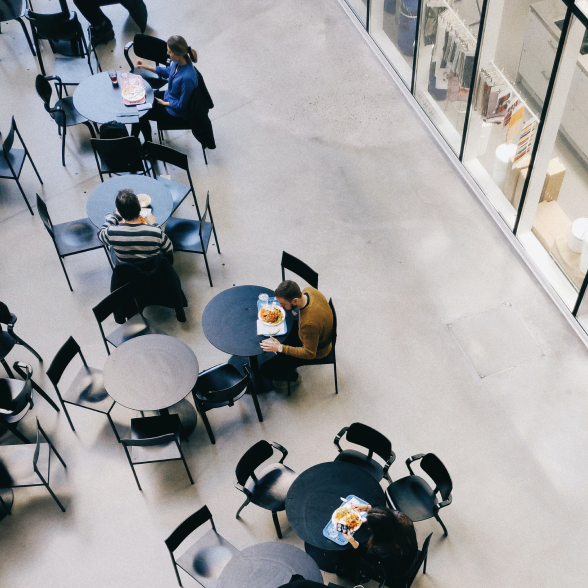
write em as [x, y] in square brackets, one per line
[264, 328]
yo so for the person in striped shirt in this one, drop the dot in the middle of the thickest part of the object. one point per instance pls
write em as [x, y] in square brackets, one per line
[130, 240]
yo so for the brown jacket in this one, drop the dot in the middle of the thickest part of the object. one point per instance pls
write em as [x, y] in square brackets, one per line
[315, 327]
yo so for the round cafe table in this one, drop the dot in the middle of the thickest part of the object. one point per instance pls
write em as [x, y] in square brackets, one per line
[314, 496]
[153, 373]
[229, 323]
[268, 565]
[99, 101]
[102, 199]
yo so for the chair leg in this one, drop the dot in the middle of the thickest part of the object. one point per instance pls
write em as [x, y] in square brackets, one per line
[425, 563]
[5, 506]
[288, 383]
[204, 153]
[335, 372]
[186, 466]
[8, 370]
[242, 507]
[34, 166]
[26, 346]
[24, 28]
[112, 425]
[277, 524]
[256, 404]
[109, 258]
[176, 569]
[16, 432]
[24, 196]
[63, 147]
[441, 523]
[207, 268]
[207, 425]
[66, 276]
[92, 133]
[55, 498]
[67, 415]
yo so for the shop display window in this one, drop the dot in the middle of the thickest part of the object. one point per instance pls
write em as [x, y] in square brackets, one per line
[360, 9]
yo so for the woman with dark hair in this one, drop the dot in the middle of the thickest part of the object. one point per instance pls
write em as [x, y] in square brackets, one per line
[391, 549]
[182, 81]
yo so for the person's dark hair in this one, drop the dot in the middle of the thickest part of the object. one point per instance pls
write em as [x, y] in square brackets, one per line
[127, 204]
[288, 290]
[178, 46]
[392, 531]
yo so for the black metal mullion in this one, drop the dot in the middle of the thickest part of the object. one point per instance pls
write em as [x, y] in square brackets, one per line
[367, 16]
[417, 39]
[466, 123]
[546, 103]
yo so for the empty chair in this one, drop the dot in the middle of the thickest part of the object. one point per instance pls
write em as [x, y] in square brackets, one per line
[122, 300]
[118, 156]
[293, 264]
[63, 111]
[63, 30]
[15, 10]
[374, 442]
[12, 160]
[413, 495]
[87, 388]
[222, 385]
[155, 438]
[193, 236]
[22, 466]
[178, 191]
[16, 399]
[8, 338]
[268, 488]
[153, 49]
[71, 237]
[206, 558]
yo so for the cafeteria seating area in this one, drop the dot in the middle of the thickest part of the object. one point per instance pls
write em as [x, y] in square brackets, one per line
[446, 343]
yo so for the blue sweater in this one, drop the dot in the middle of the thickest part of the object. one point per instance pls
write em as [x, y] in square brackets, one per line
[182, 80]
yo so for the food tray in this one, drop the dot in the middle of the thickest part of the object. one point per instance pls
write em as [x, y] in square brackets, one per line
[127, 82]
[339, 539]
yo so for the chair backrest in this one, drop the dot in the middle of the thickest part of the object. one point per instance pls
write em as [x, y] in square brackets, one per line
[57, 27]
[44, 214]
[372, 440]
[122, 155]
[203, 218]
[62, 359]
[120, 298]
[156, 152]
[228, 394]
[150, 441]
[24, 396]
[435, 469]
[187, 527]
[418, 562]
[150, 48]
[5, 314]
[293, 264]
[44, 90]
[8, 141]
[252, 459]
[334, 331]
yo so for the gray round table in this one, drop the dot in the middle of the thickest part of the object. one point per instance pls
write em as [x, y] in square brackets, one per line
[268, 565]
[102, 199]
[153, 373]
[99, 101]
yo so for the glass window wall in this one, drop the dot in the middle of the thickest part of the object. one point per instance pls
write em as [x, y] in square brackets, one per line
[360, 9]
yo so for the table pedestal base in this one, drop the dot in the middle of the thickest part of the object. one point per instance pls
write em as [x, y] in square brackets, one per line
[7, 498]
[187, 414]
[325, 560]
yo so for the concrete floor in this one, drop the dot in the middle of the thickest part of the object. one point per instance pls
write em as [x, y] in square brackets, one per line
[319, 155]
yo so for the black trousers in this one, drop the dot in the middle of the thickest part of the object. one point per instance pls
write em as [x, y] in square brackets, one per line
[282, 367]
[93, 13]
[158, 113]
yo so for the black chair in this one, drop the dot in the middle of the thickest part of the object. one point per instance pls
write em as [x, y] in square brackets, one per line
[16, 399]
[71, 237]
[78, 59]
[193, 236]
[12, 160]
[87, 388]
[15, 10]
[14, 473]
[289, 262]
[167, 155]
[140, 16]
[413, 495]
[63, 111]
[269, 488]
[205, 559]
[135, 326]
[119, 156]
[155, 438]
[153, 49]
[222, 385]
[331, 358]
[420, 559]
[374, 442]
[8, 338]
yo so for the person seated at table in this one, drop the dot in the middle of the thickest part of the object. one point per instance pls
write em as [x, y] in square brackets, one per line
[305, 345]
[129, 239]
[182, 79]
[392, 546]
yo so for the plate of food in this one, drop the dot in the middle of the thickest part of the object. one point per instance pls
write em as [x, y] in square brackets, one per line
[144, 200]
[272, 315]
[348, 517]
[133, 93]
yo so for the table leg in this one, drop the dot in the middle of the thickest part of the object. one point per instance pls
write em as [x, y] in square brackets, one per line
[7, 496]
[256, 373]
[187, 414]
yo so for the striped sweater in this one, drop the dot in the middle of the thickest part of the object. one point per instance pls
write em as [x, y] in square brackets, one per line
[133, 243]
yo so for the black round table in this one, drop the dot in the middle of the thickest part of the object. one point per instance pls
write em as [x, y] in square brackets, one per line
[268, 565]
[314, 496]
[99, 101]
[153, 373]
[102, 199]
[229, 323]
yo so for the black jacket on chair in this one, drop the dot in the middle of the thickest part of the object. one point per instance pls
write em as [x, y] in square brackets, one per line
[200, 104]
[155, 283]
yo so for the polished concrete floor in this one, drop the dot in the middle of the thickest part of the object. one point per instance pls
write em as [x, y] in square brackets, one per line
[319, 155]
